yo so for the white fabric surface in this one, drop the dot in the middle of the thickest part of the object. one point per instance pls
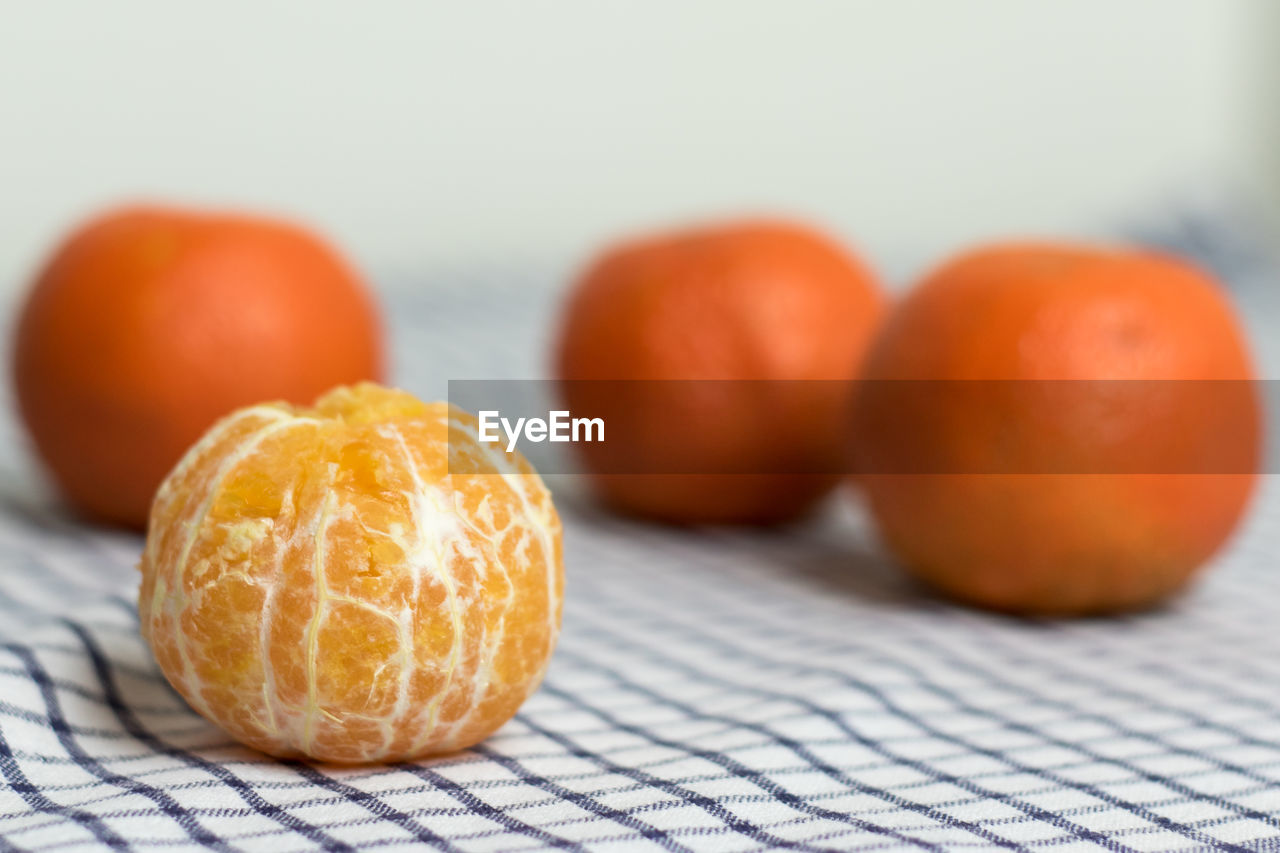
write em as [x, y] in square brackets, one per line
[713, 690]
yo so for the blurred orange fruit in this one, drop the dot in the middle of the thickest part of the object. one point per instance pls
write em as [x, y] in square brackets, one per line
[730, 310]
[1057, 493]
[359, 581]
[149, 323]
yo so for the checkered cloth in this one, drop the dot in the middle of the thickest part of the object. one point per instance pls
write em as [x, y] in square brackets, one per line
[713, 690]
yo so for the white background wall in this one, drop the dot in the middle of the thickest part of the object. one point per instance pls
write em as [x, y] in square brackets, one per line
[421, 133]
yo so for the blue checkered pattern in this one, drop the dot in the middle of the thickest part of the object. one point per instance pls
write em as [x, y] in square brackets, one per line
[713, 690]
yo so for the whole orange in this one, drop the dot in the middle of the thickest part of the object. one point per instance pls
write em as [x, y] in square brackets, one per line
[721, 357]
[149, 323]
[1059, 429]
[361, 580]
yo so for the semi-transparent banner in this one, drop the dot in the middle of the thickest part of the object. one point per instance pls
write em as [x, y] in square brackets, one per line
[875, 427]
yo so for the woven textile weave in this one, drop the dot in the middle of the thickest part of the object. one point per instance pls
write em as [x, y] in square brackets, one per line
[713, 690]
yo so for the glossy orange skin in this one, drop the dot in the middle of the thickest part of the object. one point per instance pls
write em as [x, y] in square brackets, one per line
[1114, 538]
[755, 300]
[149, 323]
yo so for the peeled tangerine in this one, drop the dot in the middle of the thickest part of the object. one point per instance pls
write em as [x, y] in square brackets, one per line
[359, 581]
